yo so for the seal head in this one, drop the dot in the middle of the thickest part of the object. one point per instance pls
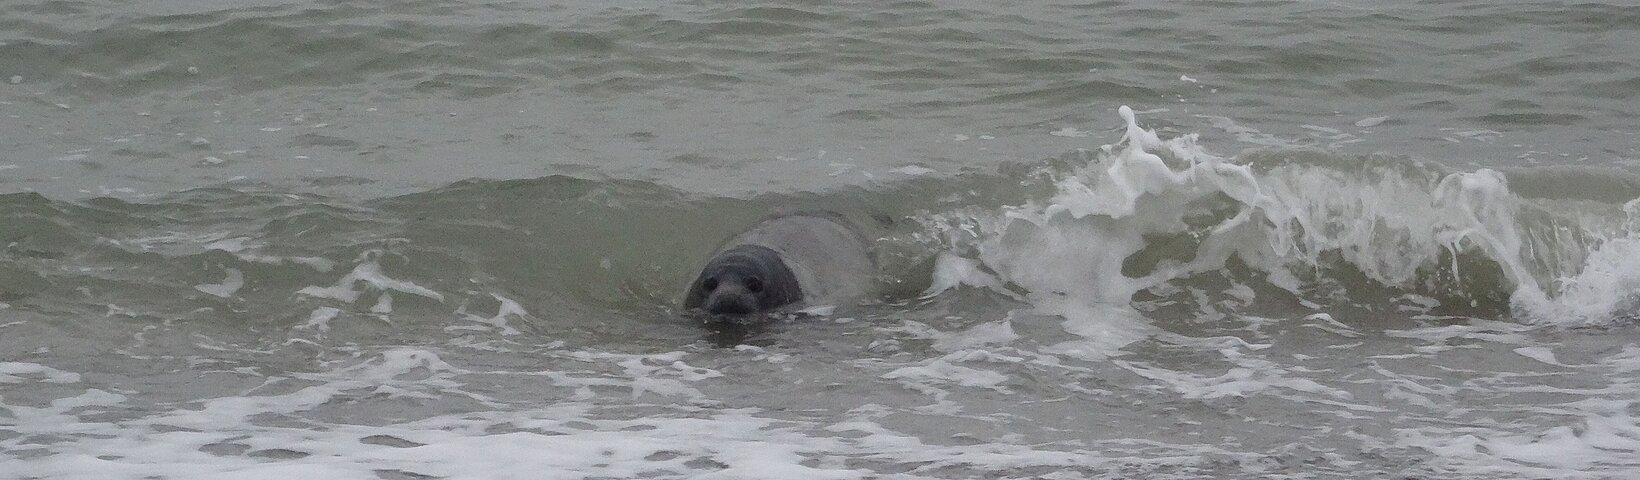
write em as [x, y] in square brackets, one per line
[744, 279]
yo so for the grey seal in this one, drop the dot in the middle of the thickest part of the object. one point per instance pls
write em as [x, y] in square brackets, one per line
[806, 258]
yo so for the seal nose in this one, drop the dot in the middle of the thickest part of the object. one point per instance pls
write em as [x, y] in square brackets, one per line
[731, 303]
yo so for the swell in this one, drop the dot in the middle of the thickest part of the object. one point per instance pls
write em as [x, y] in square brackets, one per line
[1146, 221]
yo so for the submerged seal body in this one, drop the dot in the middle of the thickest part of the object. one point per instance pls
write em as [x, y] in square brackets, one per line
[795, 259]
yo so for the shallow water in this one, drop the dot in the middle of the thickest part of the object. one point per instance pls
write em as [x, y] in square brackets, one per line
[1114, 240]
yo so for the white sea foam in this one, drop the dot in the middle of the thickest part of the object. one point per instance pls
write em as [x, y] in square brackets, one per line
[1071, 132]
[1601, 442]
[913, 170]
[1392, 222]
[999, 332]
[818, 310]
[14, 372]
[367, 273]
[227, 287]
[320, 318]
[508, 309]
[1607, 288]
[664, 415]
[951, 271]
[597, 432]
[945, 370]
[384, 304]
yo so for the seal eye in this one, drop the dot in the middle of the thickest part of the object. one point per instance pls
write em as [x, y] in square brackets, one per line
[710, 284]
[754, 284]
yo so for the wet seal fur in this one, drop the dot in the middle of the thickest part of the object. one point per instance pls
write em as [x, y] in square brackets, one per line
[784, 262]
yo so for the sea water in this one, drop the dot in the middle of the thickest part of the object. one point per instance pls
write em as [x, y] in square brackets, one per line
[409, 240]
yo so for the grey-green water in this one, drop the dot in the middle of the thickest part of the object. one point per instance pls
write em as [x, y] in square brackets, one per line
[449, 239]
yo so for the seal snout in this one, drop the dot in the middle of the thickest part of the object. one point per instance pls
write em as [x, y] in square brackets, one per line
[731, 304]
[735, 296]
